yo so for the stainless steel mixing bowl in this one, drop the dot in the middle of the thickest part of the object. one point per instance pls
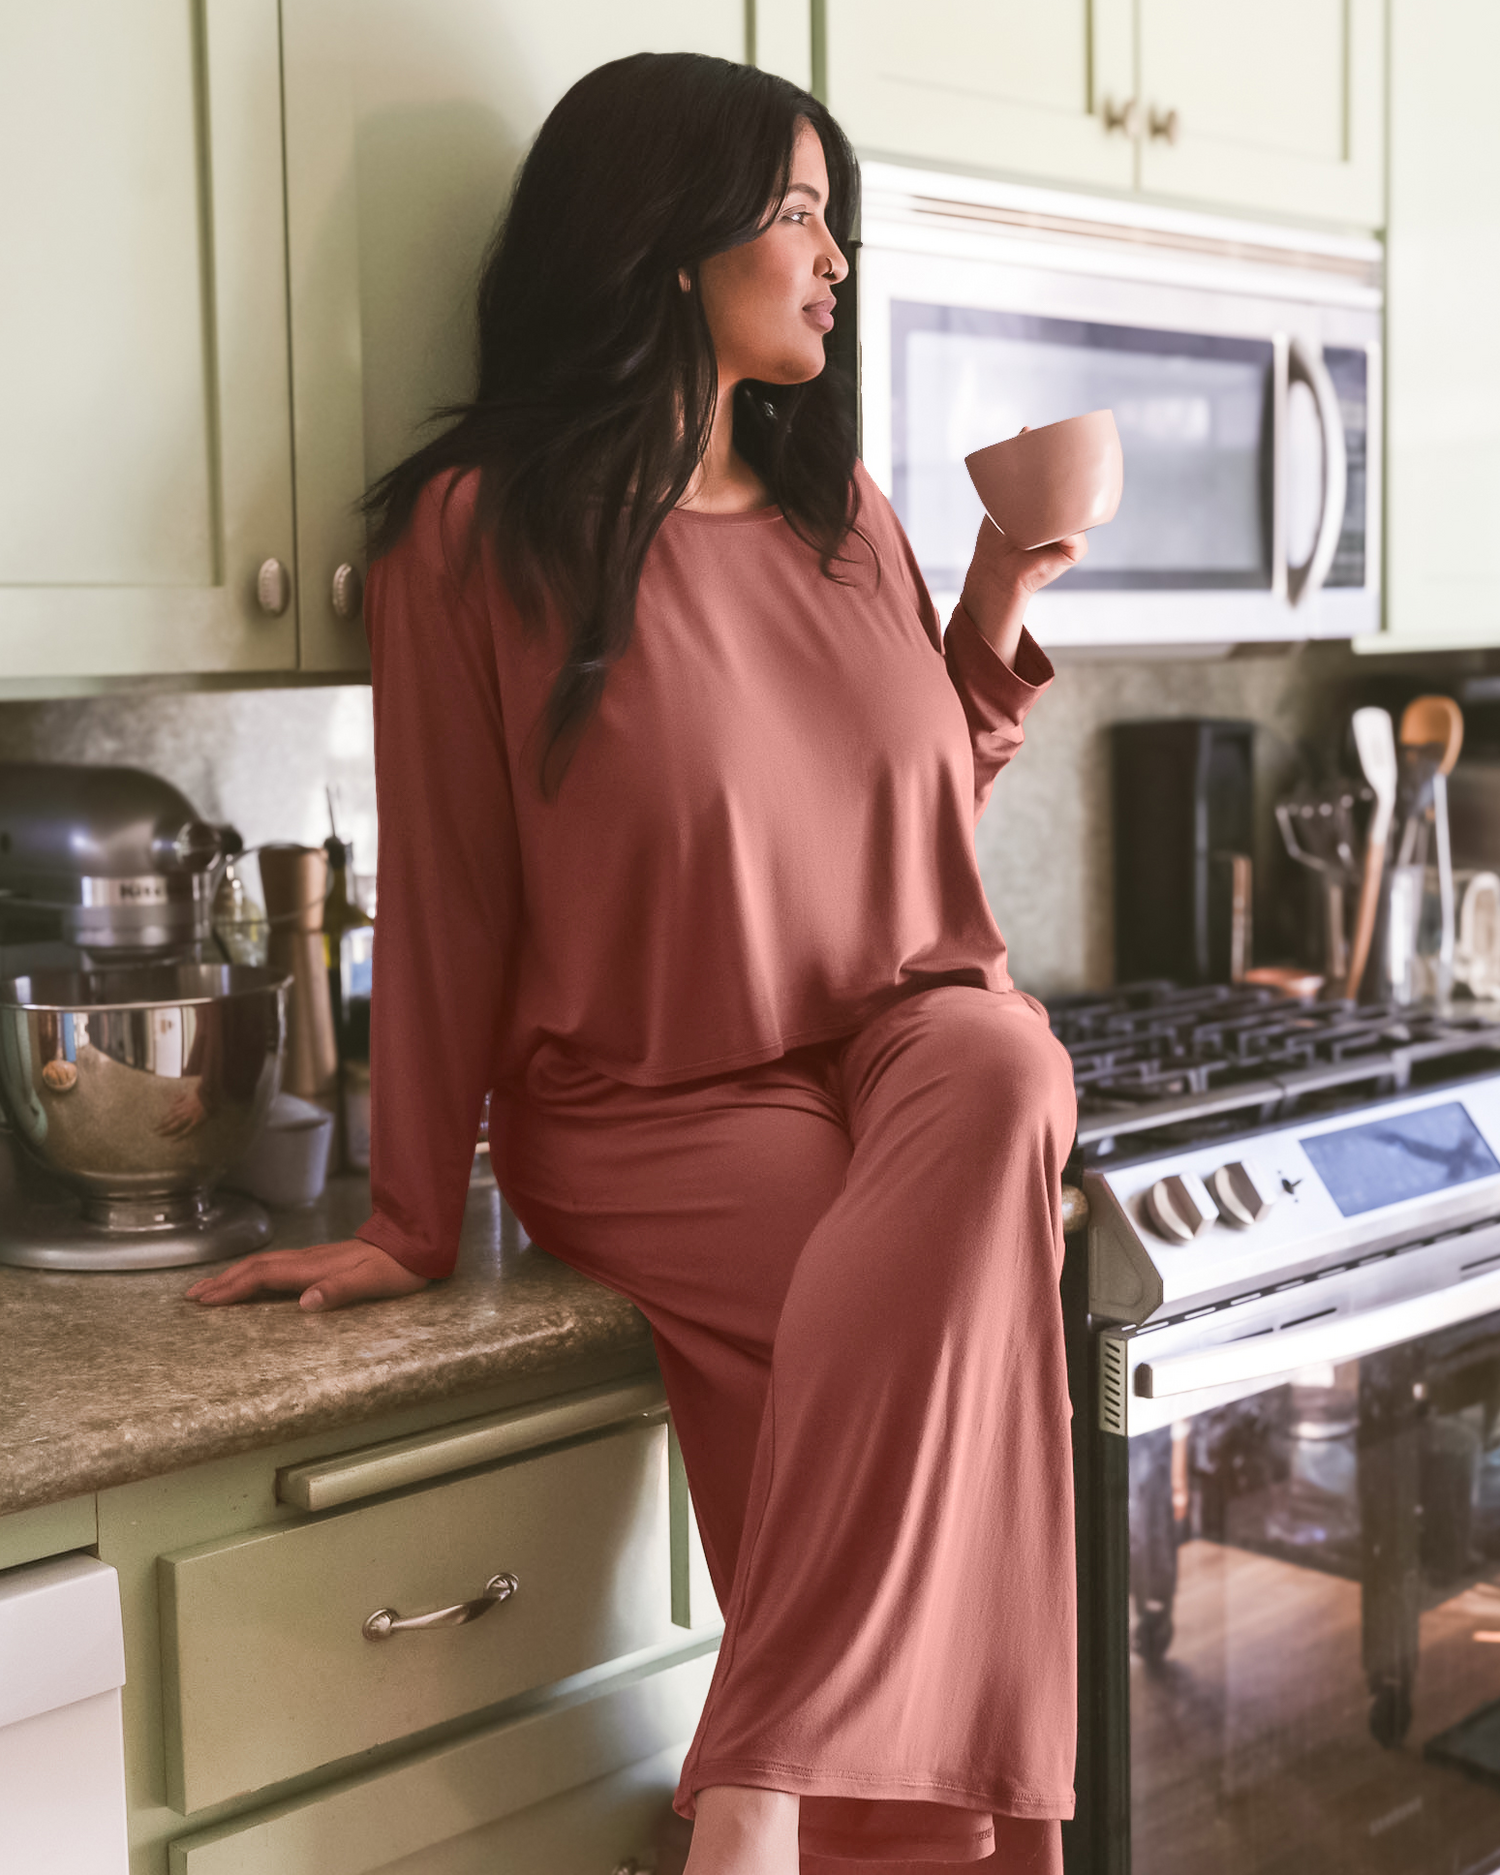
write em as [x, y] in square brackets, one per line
[139, 1087]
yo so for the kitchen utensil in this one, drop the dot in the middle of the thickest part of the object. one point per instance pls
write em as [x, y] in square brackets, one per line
[1047, 483]
[1317, 831]
[136, 1089]
[287, 1163]
[1375, 740]
[294, 880]
[1438, 723]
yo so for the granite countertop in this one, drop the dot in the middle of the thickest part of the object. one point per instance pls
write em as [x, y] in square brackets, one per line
[107, 1377]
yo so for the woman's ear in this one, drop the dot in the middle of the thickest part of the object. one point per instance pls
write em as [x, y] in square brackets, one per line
[683, 280]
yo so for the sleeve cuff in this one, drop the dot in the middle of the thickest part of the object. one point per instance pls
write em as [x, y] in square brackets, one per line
[417, 1258]
[1023, 682]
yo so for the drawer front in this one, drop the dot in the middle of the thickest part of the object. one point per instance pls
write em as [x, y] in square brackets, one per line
[572, 1790]
[267, 1672]
[610, 1824]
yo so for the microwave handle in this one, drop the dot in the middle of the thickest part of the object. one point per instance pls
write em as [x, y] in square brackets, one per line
[1344, 1338]
[1305, 364]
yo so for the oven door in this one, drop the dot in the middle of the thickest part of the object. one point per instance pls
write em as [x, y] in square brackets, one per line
[1299, 1591]
[1248, 424]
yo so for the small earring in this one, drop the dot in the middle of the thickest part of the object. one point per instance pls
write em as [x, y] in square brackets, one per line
[683, 280]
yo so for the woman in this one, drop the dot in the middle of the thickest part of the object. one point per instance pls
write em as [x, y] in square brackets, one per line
[677, 782]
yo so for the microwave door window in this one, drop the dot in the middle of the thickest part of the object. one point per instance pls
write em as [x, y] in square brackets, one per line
[1195, 419]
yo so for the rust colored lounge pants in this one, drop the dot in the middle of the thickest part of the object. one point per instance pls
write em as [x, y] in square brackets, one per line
[849, 1258]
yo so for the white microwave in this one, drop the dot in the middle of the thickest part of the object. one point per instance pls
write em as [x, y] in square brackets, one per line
[1243, 365]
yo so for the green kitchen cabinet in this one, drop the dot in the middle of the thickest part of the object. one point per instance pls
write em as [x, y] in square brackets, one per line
[1002, 86]
[1274, 106]
[266, 1735]
[240, 275]
[1442, 370]
[146, 516]
[1269, 107]
[405, 123]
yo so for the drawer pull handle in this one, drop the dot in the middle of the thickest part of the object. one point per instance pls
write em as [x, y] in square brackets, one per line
[386, 1621]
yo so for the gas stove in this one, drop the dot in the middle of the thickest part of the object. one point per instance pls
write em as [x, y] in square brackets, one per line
[1238, 1145]
[1284, 1353]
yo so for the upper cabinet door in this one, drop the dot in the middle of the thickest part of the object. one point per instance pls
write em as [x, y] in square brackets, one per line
[406, 121]
[1012, 87]
[145, 478]
[1270, 105]
[1442, 365]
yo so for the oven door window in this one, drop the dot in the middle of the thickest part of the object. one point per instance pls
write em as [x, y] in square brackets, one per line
[1195, 415]
[1314, 1673]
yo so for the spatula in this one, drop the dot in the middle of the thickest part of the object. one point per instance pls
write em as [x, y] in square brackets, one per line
[1375, 740]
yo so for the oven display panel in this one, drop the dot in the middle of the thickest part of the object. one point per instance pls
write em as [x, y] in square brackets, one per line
[1405, 1156]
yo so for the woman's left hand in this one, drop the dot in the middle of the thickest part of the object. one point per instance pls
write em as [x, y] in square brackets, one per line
[1002, 577]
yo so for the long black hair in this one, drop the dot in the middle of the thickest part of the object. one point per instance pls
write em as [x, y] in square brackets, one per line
[597, 377]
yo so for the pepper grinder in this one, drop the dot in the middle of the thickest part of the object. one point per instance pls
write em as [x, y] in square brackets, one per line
[294, 880]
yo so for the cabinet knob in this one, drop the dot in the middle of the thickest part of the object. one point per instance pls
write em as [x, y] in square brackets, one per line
[273, 588]
[1164, 124]
[1126, 117]
[347, 592]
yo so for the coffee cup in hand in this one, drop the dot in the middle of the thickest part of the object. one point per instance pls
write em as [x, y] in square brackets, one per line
[1045, 484]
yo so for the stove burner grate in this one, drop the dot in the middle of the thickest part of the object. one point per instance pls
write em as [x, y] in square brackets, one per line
[1152, 1056]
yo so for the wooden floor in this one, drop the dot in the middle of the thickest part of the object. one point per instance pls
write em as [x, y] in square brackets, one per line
[1251, 1756]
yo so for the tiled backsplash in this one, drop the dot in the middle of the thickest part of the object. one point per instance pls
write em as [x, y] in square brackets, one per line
[262, 758]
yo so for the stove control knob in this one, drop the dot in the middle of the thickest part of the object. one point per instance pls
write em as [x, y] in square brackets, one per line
[1243, 1192]
[1180, 1208]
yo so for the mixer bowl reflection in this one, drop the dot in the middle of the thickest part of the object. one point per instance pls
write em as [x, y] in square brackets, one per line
[139, 1087]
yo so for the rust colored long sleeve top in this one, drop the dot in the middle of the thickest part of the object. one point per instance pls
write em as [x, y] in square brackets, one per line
[765, 834]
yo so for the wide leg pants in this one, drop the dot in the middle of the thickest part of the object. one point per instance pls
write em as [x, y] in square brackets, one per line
[849, 1258]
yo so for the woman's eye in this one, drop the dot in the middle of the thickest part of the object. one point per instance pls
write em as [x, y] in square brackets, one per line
[798, 215]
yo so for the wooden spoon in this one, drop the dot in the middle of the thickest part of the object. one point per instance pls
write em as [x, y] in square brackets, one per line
[1438, 722]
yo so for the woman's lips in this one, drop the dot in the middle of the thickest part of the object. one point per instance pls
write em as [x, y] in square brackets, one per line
[821, 314]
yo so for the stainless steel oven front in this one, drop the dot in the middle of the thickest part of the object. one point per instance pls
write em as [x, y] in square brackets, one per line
[1289, 1501]
[1242, 363]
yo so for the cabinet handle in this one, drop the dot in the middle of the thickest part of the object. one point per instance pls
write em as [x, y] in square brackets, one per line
[386, 1621]
[347, 592]
[1125, 118]
[1165, 124]
[273, 588]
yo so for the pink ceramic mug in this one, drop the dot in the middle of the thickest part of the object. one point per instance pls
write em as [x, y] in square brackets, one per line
[1047, 483]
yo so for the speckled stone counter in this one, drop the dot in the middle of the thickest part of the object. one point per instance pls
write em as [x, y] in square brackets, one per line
[109, 1377]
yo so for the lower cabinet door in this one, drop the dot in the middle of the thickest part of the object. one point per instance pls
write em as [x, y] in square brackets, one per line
[578, 1789]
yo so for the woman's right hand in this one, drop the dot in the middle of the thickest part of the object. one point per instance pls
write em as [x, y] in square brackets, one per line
[329, 1275]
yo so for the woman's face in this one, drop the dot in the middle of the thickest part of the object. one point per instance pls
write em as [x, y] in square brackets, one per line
[769, 302]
